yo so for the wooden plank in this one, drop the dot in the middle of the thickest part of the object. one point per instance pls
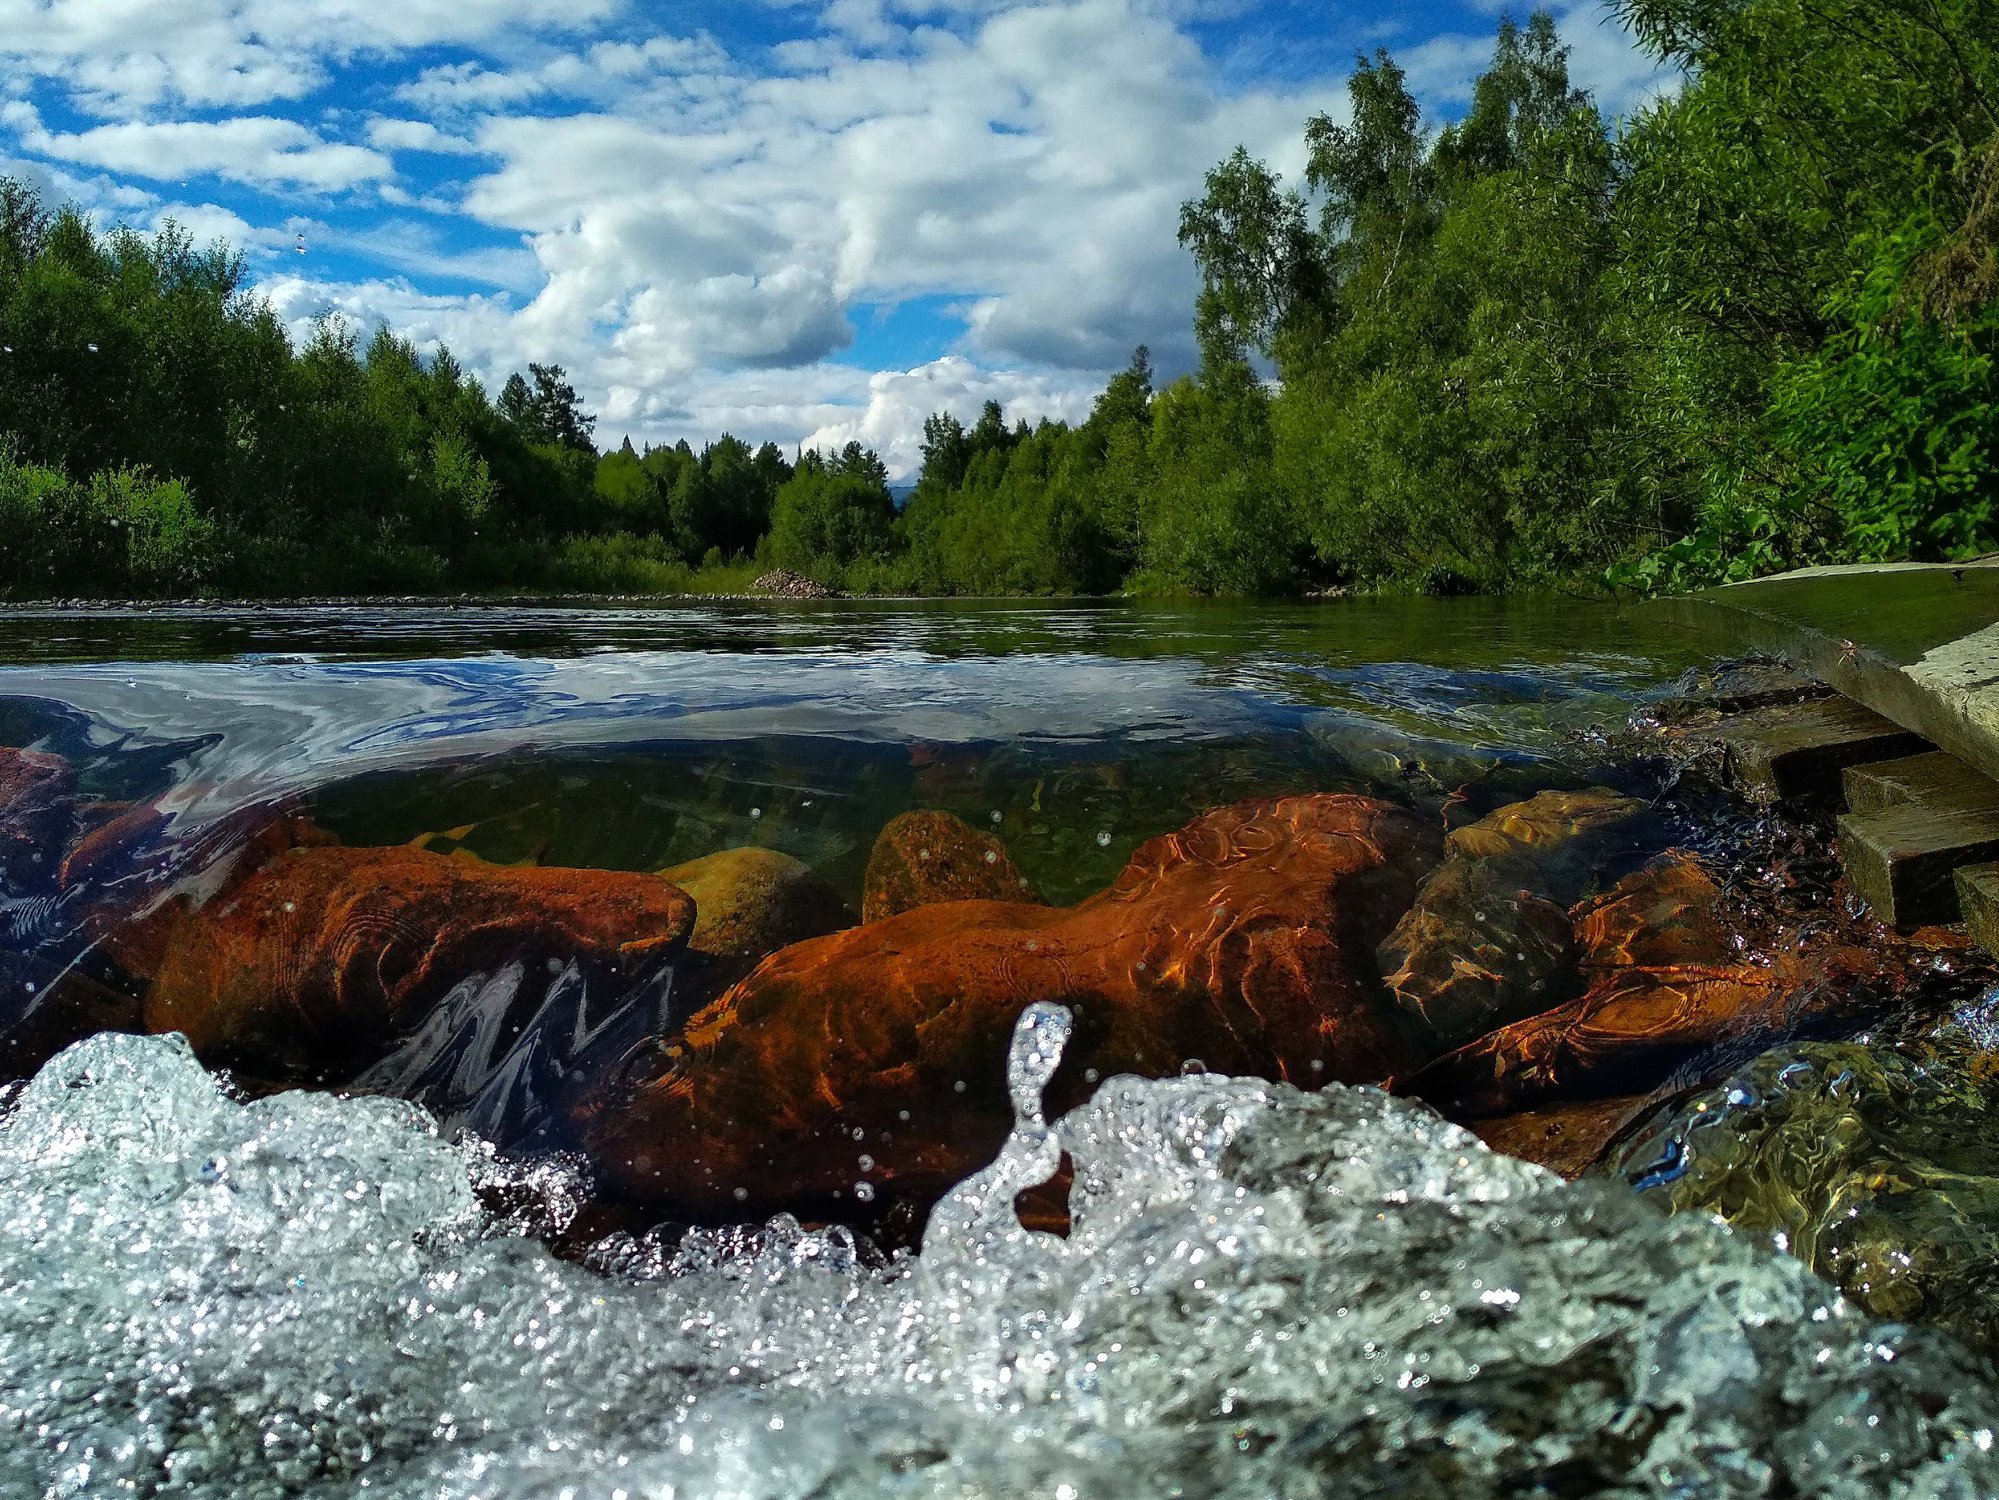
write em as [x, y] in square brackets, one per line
[1735, 688]
[1796, 752]
[1934, 780]
[1978, 895]
[1903, 861]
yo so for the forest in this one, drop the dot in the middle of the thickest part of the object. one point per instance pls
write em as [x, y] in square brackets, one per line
[1753, 326]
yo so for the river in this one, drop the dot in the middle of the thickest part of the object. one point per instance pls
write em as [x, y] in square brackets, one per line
[388, 1124]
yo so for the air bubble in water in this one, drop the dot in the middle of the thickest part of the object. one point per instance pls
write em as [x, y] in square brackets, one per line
[865, 1191]
[1201, 1330]
[1104, 839]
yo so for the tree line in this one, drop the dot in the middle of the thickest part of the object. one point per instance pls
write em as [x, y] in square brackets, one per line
[1752, 327]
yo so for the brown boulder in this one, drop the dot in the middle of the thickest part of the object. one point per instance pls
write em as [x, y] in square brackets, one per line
[1564, 1138]
[1488, 941]
[313, 965]
[756, 901]
[926, 858]
[1665, 986]
[134, 887]
[37, 795]
[1244, 941]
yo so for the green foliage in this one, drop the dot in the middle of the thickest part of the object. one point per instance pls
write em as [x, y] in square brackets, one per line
[120, 532]
[832, 514]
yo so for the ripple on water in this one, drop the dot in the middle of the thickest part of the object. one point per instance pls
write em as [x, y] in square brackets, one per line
[1265, 1292]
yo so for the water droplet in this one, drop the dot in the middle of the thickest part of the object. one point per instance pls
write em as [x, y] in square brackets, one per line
[992, 856]
[996, 817]
[755, 813]
[867, 1162]
[1104, 839]
[865, 1191]
[742, 1195]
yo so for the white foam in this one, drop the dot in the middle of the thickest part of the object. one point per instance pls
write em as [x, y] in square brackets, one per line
[1265, 1293]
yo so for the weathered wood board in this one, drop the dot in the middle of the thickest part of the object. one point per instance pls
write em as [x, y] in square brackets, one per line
[1935, 780]
[1797, 752]
[1903, 861]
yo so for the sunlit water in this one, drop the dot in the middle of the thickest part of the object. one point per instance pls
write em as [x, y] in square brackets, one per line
[1264, 1292]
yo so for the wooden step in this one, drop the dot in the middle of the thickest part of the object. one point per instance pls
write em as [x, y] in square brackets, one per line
[1978, 896]
[1903, 861]
[1735, 689]
[1796, 752]
[1934, 780]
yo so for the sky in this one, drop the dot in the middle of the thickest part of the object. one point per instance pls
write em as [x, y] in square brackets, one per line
[801, 221]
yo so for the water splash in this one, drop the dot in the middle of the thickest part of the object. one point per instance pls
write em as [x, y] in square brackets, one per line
[1264, 1292]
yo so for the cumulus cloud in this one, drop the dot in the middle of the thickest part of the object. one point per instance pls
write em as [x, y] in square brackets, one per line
[688, 228]
[898, 401]
[122, 57]
[262, 150]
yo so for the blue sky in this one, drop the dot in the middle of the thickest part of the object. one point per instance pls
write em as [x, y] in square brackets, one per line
[801, 220]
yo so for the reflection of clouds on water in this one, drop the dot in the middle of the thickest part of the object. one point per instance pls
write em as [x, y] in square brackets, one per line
[264, 727]
[270, 726]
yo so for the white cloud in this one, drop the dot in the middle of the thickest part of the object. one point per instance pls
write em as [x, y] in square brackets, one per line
[121, 57]
[261, 150]
[899, 400]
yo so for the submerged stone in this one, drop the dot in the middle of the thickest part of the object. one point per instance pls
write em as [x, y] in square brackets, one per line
[1878, 1166]
[1243, 944]
[1667, 986]
[133, 885]
[751, 902]
[926, 858]
[311, 967]
[1488, 941]
[37, 795]
[46, 1005]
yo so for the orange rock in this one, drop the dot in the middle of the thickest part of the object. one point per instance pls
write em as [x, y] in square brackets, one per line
[312, 966]
[923, 858]
[1488, 941]
[134, 887]
[1244, 941]
[37, 793]
[1665, 985]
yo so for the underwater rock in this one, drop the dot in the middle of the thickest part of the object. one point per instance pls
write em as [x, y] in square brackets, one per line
[311, 966]
[924, 858]
[46, 1006]
[1878, 1167]
[1564, 1138]
[1666, 987]
[752, 902]
[1243, 943]
[1488, 941]
[37, 793]
[133, 887]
